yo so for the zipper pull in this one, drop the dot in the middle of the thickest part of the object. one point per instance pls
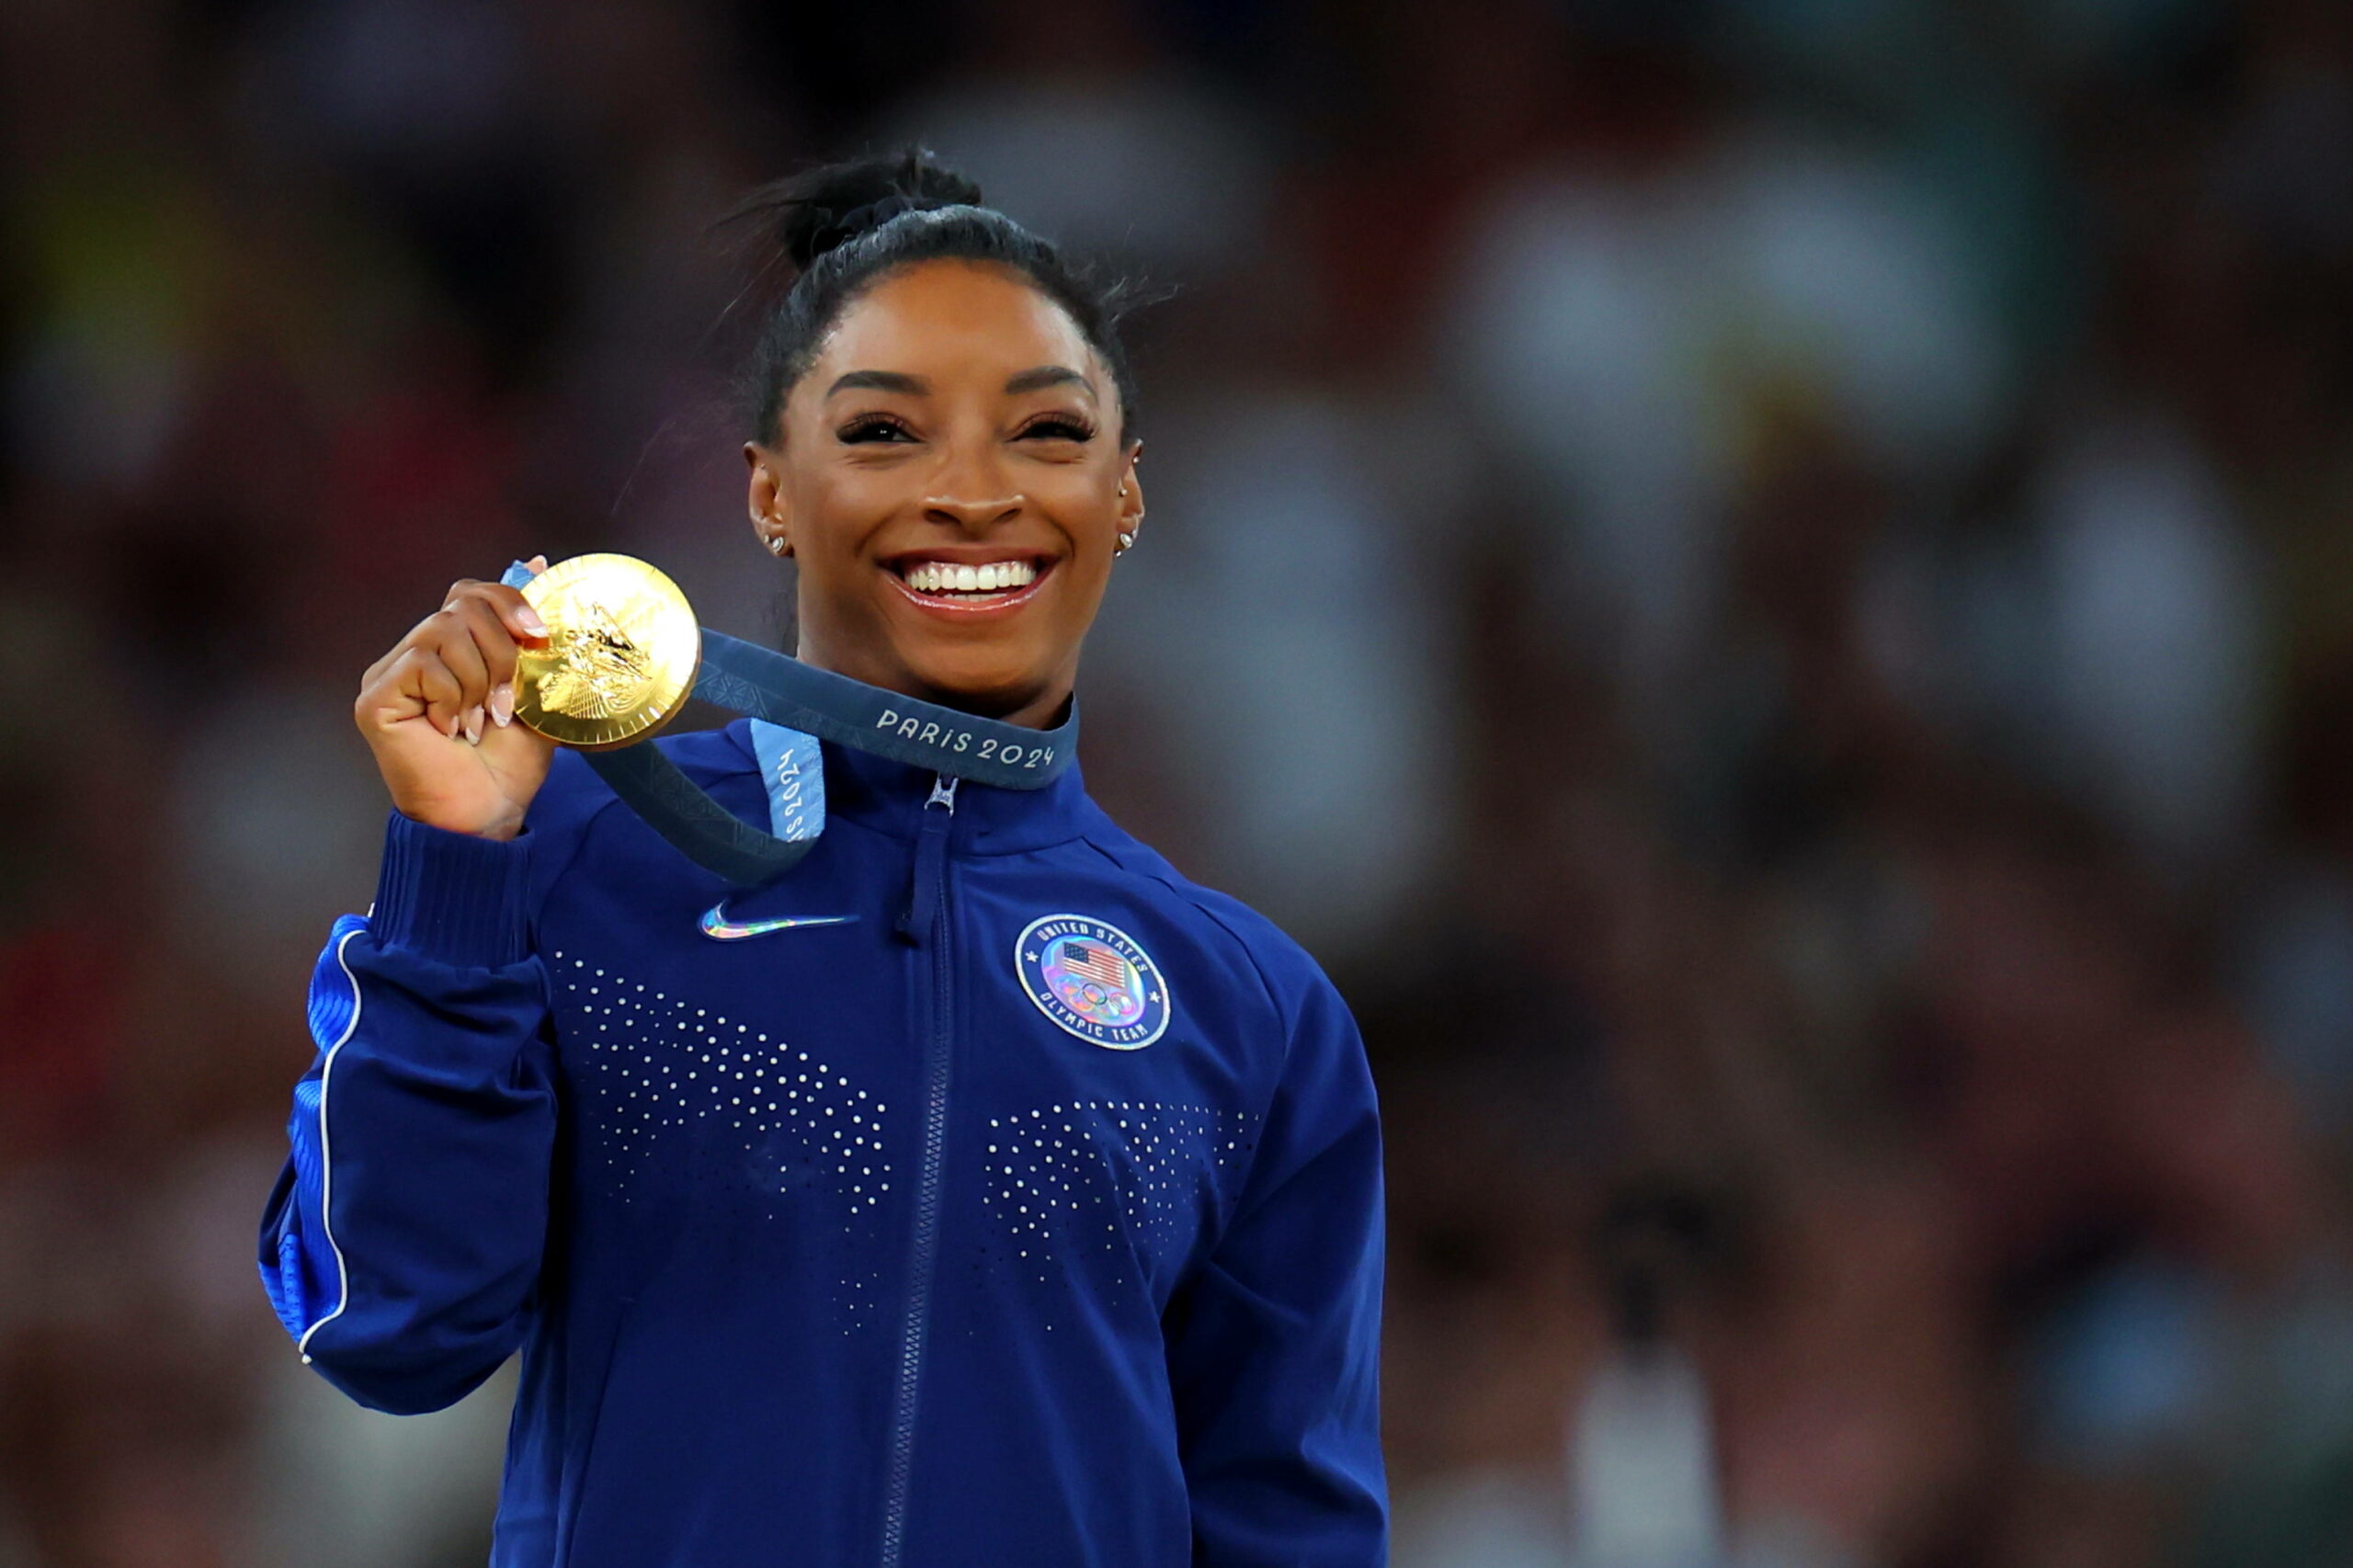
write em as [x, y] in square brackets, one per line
[926, 891]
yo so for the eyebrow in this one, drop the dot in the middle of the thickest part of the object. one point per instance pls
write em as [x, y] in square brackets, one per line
[880, 381]
[1045, 376]
[1036, 378]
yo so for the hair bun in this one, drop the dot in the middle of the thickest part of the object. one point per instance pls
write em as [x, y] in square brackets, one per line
[813, 211]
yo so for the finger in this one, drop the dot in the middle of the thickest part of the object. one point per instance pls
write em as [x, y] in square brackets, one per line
[492, 636]
[538, 563]
[377, 672]
[494, 639]
[443, 692]
[455, 645]
[419, 683]
[522, 621]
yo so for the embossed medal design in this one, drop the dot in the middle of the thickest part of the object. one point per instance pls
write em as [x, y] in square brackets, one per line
[620, 654]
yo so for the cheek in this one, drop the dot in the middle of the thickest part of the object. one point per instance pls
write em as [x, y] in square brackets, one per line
[837, 511]
[856, 494]
[1082, 503]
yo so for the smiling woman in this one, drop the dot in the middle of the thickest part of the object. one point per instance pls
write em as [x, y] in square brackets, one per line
[943, 439]
[952, 478]
[978, 1190]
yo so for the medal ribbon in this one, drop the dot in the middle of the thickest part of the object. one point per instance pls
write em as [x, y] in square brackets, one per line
[776, 690]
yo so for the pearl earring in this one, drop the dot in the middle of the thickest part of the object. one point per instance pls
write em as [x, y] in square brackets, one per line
[776, 546]
[1126, 543]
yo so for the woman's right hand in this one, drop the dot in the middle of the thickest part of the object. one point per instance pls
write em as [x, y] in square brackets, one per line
[437, 711]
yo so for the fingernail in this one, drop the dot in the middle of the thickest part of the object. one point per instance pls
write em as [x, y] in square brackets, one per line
[531, 622]
[474, 725]
[502, 703]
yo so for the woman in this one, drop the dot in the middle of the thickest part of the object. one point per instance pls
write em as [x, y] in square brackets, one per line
[978, 1192]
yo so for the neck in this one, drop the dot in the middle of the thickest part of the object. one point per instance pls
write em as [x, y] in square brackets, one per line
[1044, 713]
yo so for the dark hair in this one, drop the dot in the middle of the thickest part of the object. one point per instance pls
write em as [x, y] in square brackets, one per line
[845, 225]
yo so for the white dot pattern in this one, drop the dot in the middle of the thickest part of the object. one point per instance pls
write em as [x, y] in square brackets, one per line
[652, 1067]
[1107, 1173]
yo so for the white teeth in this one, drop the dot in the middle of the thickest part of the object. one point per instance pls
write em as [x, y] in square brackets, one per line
[941, 577]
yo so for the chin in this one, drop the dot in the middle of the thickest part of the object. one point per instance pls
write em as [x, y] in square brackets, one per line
[988, 682]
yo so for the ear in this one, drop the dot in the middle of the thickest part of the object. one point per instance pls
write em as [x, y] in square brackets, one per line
[1131, 504]
[764, 500]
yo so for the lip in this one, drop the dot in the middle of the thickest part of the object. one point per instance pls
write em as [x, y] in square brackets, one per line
[967, 556]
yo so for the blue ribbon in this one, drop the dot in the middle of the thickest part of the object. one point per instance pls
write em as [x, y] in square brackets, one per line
[782, 693]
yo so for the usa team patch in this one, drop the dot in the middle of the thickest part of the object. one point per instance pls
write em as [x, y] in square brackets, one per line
[1093, 980]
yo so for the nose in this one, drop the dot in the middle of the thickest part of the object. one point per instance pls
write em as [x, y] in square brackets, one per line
[970, 489]
[974, 517]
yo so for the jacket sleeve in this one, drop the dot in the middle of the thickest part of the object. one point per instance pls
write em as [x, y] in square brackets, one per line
[403, 1240]
[1274, 1342]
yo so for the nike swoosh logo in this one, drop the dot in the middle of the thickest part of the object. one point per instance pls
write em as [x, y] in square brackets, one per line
[719, 929]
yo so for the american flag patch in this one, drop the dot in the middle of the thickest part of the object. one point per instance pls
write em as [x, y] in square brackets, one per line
[1093, 962]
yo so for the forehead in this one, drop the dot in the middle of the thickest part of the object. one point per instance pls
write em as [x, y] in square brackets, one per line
[938, 319]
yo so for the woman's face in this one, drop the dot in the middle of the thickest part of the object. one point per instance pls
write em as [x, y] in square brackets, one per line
[949, 478]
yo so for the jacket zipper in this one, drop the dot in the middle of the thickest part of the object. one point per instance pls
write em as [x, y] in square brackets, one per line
[927, 924]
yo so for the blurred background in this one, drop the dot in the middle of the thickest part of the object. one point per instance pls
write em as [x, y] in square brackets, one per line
[1766, 582]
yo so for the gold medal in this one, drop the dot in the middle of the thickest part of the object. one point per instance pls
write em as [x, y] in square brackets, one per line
[619, 657]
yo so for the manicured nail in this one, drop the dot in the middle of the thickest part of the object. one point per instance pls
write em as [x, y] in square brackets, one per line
[502, 703]
[530, 621]
[474, 725]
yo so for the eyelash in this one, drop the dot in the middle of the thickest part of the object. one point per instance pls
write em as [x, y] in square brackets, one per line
[872, 427]
[1069, 429]
[876, 427]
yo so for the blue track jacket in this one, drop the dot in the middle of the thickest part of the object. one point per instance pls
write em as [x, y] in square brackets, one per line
[979, 1193]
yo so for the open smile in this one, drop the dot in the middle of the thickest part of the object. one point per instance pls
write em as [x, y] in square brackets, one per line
[945, 586]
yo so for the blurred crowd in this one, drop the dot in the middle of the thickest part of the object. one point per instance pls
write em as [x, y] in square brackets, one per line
[1767, 583]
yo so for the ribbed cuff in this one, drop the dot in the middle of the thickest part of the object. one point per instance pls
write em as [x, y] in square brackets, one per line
[452, 897]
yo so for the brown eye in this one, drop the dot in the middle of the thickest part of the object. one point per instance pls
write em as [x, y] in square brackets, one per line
[874, 428]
